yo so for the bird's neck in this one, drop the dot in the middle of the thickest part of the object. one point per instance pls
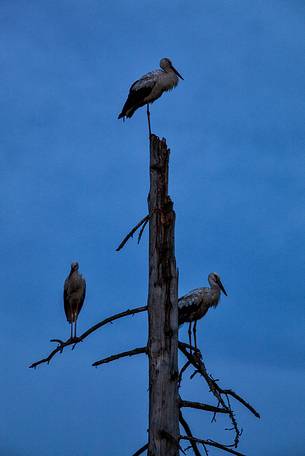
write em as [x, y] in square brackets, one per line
[169, 79]
[215, 288]
[215, 293]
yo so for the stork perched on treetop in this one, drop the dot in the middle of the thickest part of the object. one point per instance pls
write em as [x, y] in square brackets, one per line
[74, 296]
[195, 304]
[149, 88]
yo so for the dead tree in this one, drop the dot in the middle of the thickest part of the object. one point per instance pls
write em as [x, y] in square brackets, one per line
[162, 310]
[165, 404]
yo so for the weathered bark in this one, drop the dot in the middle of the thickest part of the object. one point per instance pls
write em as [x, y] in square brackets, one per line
[162, 310]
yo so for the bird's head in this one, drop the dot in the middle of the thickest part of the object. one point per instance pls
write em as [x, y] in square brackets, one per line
[166, 65]
[214, 279]
[74, 266]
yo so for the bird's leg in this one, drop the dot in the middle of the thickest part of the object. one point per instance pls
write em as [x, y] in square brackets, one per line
[190, 336]
[71, 327]
[148, 119]
[195, 334]
[75, 329]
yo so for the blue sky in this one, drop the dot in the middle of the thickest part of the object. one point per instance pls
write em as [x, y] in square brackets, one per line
[74, 180]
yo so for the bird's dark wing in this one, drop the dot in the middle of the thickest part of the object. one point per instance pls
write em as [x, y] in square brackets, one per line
[67, 305]
[189, 304]
[139, 90]
[82, 297]
[191, 298]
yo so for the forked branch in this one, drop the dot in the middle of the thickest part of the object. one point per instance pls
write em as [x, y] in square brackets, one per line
[132, 232]
[212, 443]
[189, 434]
[246, 404]
[74, 341]
[220, 394]
[196, 361]
[183, 369]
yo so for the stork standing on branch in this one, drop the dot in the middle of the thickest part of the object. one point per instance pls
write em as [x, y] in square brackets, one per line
[195, 304]
[74, 296]
[149, 88]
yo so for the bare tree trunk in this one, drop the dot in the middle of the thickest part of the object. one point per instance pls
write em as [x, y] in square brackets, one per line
[162, 310]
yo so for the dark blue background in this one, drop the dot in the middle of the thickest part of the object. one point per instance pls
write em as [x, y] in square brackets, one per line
[74, 180]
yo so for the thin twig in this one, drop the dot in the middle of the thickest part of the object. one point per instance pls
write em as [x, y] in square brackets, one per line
[183, 369]
[194, 373]
[200, 368]
[141, 450]
[238, 432]
[126, 313]
[142, 229]
[242, 401]
[205, 407]
[48, 358]
[58, 341]
[189, 434]
[197, 361]
[214, 415]
[133, 352]
[132, 232]
[211, 443]
[74, 341]
[205, 449]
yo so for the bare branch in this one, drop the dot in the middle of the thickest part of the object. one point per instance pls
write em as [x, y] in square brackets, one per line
[205, 407]
[48, 358]
[242, 401]
[74, 341]
[189, 434]
[183, 369]
[141, 450]
[133, 352]
[57, 341]
[214, 415]
[126, 313]
[132, 232]
[142, 229]
[59, 349]
[211, 443]
[197, 361]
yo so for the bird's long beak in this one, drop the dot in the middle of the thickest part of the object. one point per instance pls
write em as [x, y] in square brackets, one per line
[178, 74]
[221, 287]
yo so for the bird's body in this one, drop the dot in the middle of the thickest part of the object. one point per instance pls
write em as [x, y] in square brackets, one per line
[74, 296]
[150, 87]
[195, 304]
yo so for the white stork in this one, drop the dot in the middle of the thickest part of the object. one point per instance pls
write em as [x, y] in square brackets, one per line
[74, 296]
[149, 88]
[195, 304]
